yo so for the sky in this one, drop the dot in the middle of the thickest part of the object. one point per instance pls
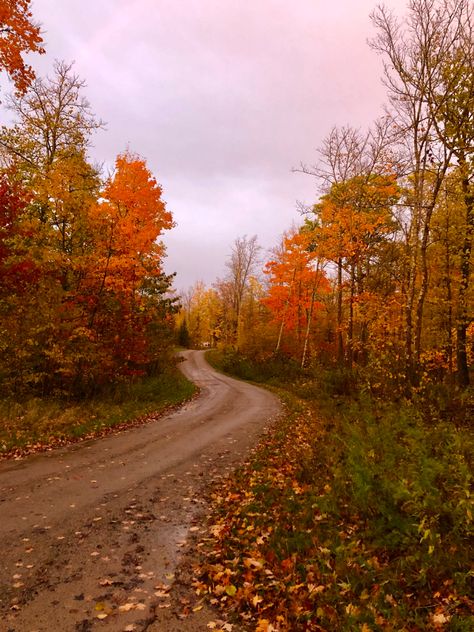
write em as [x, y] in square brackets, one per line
[223, 98]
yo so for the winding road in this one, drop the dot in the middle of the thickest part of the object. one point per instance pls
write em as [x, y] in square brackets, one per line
[91, 535]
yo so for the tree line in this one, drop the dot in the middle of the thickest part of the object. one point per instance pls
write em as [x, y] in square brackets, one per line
[84, 300]
[379, 274]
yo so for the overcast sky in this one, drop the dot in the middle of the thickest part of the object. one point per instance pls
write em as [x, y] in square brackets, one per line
[223, 98]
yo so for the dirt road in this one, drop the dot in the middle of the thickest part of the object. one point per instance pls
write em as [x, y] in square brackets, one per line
[91, 535]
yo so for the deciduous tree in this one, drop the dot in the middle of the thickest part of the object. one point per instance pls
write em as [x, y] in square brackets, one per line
[18, 37]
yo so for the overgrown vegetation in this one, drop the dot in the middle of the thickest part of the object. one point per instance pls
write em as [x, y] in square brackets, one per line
[35, 423]
[355, 514]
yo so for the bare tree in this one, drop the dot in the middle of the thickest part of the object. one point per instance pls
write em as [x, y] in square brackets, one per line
[54, 121]
[242, 264]
[347, 152]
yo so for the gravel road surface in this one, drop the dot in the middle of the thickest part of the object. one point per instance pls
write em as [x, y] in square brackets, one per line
[95, 536]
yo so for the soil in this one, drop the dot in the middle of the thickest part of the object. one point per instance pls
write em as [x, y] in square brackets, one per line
[103, 534]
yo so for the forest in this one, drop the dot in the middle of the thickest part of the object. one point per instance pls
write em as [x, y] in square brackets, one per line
[356, 510]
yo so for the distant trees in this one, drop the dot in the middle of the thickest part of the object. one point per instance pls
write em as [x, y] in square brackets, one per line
[223, 313]
[197, 316]
[241, 265]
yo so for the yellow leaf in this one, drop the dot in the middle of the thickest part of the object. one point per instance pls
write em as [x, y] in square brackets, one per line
[253, 564]
[352, 610]
[315, 590]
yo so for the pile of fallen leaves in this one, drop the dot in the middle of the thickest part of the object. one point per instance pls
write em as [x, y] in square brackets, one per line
[259, 558]
[279, 559]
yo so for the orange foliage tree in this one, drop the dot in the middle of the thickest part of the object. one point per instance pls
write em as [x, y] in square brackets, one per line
[123, 276]
[18, 36]
[295, 281]
[84, 298]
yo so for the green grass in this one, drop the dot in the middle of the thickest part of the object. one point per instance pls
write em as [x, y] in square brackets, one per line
[35, 423]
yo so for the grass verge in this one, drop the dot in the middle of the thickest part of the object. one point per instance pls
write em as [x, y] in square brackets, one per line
[353, 514]
[36, 424]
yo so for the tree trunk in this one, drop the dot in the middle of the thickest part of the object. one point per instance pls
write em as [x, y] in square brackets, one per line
[350, 323]
[310, 317]
[287, 304]
[340, 344]
[463, 320]
[420, 304]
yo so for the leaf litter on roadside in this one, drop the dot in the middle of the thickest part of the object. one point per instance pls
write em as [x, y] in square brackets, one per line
[279, 562]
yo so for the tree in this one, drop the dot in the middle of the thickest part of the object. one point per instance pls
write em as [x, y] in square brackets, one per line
[47, 148]
[295, 281]
[184, 339]
[351, 221]
[243, 261]
[54, 122]
[414, 53]
[123, 277]
[45, 151]
[200, 310]
[18, 36]
[452, 101]
[352, 165]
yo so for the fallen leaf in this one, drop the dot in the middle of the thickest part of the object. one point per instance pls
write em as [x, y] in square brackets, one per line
[253, 564]
[105, 582]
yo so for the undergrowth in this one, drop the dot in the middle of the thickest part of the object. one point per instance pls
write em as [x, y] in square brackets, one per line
[355, 514]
